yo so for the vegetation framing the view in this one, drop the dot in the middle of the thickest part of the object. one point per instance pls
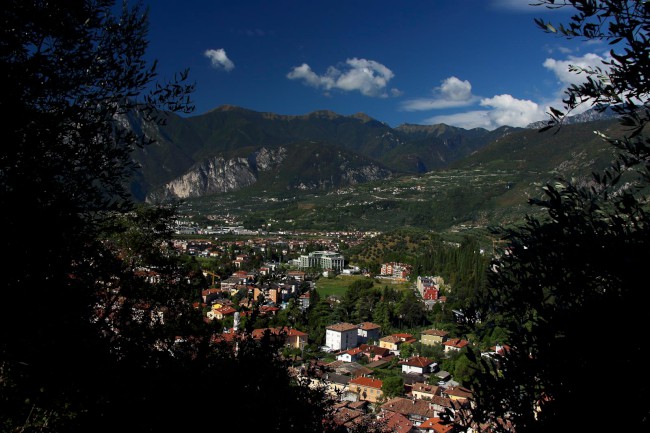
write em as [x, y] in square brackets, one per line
[90, 340]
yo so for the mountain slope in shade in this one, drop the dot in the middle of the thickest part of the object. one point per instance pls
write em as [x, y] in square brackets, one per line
[184, 145]
[299, 166]
[491, 186]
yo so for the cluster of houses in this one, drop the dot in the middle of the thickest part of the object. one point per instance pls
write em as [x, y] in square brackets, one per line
[360, 395]
[274, 293]
[396, 270]
[358, 349]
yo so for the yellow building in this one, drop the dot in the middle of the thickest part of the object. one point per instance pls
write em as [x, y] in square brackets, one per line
[366, 388]
[431, 337]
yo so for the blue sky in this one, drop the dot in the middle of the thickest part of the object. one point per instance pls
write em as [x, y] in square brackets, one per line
[465, 63]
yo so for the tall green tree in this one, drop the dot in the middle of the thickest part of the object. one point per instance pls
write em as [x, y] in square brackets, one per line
[392, 386]
[568, 283]
[97, 328]
[70, 72]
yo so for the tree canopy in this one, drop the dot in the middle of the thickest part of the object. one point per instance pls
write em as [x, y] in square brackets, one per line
[97, 327]
[565, 289]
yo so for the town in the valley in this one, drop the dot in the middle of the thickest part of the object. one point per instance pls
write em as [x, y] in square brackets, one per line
[376, 373]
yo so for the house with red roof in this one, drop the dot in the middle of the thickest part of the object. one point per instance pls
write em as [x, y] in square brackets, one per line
[220, 312]
[341, 336]
[430, 294]
[366, 388]
[424, 391]
[350, 355]
[368, 331]
[456, 393]
[419, 411]
[210, 292]
[394, 341]
[434, 425]
[297, 339]
[303, 301]
[398, 423]
[268, 310]
[292, 337]
[454, 344]
[374, 353]
[418, 365]
[431, 337]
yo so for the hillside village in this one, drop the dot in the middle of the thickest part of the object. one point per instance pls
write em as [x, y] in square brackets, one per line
[354, 357]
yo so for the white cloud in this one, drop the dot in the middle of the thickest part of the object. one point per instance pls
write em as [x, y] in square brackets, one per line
[456, 90]
[565, 76]
[466, 120]
[452, 93]
[503, 110]
[506, 110]
[219, 59]
[368, 77]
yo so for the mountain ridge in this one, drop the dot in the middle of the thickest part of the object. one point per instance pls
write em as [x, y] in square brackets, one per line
[228, 131]
[489, 186]
[332, 170]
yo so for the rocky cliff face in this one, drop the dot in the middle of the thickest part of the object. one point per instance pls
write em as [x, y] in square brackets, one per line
[308, 166]
[218, 175]
[210, 153]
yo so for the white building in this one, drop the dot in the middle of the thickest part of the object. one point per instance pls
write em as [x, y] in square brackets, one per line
[368, 331]
[341, 336]
[322, 260]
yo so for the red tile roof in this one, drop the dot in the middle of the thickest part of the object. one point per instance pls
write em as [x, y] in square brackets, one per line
[367, 381]
[456, 342]
[403, 337]
[458, 391]
[368, 326]
[418, 361]
[227, 310]
[398, 423]
[341, 327]
[436, 332]
[435, 425]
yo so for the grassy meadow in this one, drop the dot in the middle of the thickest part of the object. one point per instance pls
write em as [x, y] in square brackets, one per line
[337, 285]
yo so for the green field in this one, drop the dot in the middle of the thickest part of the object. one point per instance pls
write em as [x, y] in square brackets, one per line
[338, 285]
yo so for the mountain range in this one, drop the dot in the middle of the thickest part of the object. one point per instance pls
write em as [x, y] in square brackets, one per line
[290, 168]
[230, 148]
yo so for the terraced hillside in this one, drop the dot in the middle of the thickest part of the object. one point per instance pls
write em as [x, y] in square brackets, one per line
[490, 187]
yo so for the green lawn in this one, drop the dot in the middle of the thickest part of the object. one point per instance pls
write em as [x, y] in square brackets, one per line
[338, 285]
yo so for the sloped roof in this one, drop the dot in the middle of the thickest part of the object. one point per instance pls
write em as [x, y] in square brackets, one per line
[398, 423]
[338, 378]
[375, 350]
[350, 368]
[435, 425]
[367, 381]
[341, 327]
[380, 362]
[425, 388]
[458, 391]
[403, 336]
[344, 415]
[368, 326]
[407, 406]
[456, 342]
[435, 332]
[418, 361]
